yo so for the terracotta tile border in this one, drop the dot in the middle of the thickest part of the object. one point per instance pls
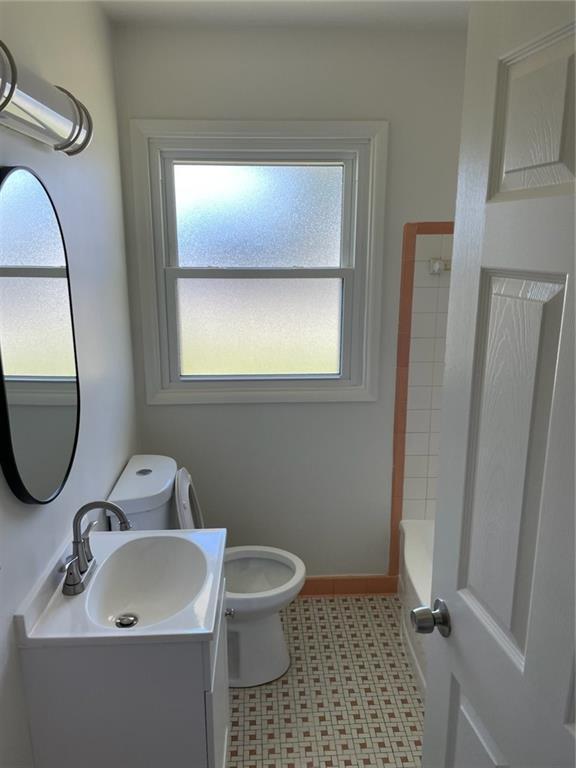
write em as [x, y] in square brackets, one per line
[411, 231]
[355, 584]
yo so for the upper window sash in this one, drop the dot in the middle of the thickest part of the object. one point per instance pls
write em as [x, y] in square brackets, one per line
[348, 160]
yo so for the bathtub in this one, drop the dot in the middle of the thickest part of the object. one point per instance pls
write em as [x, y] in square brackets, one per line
[414, 586]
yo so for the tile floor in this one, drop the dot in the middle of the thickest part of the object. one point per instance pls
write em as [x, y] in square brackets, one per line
[349, 699]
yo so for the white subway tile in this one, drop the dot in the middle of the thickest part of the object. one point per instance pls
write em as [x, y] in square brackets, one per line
[421, 374]
[418, 421]
[446, 247]
[431, 488]
[434, 444]
[443, 295]
[432, 466]
[422, 350]
[415, 466]
[441, 319]
[437, 398]
[439, 350]
[425, 300]
[416, 444]
[435, 420]
[415, 487]
[419, 397]
[444, 279]
[423, 325]
[413, 509]
[437, 374]
[430, 509]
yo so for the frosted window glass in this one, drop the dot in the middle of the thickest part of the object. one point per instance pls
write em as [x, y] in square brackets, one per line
[29, 231]
[259, 327]
[35, 327]
[262, 216]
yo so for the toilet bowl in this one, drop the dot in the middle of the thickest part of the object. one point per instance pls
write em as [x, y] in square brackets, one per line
[260, 581]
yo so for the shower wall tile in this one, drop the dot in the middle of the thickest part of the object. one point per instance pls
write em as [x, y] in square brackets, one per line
[422, 350]
[425, 377]
[419, 398]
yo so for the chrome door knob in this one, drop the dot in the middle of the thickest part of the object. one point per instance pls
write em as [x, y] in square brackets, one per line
[424, 619]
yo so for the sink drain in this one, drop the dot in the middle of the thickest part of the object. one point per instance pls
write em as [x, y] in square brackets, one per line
[126, 620]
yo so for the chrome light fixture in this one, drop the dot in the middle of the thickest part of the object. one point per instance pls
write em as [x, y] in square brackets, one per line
[44, 112]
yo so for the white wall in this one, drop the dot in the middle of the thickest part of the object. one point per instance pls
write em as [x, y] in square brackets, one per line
[425, 375]
[314, 479]
[67, 43]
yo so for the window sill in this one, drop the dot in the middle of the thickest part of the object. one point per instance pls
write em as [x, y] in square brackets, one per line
[258, 394]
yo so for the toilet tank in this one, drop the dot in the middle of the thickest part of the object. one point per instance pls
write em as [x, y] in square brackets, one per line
[145, 492]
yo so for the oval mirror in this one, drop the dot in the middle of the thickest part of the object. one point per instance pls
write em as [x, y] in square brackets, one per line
[39, 399]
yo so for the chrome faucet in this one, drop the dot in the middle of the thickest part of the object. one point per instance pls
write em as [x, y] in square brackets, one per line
[80, 566]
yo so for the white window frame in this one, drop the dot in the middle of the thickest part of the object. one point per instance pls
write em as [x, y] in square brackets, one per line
[361, 148]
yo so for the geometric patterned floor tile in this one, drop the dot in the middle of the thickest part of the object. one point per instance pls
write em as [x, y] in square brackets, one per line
[349, 699]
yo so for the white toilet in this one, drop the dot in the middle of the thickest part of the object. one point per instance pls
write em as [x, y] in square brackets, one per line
[260, 581]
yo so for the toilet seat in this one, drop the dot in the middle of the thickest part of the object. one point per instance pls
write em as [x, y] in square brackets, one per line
[187, 505]
[260, 579]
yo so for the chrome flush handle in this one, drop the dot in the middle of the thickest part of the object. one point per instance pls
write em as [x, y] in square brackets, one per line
[425, 619]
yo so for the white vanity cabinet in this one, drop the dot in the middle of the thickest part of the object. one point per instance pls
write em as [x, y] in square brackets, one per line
[148, 702]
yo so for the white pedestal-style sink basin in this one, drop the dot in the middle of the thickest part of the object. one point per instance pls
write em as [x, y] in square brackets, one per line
[169, 580]
[148, 579]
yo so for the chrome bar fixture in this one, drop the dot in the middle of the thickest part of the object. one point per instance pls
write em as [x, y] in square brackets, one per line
[47, 113]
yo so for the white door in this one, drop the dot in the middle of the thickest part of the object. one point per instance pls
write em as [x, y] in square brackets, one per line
[501, 686]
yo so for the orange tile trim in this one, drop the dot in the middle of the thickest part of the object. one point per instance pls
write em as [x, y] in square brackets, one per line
[411, 231]
[354, 584]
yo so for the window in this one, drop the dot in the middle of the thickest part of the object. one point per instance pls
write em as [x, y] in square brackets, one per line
[260, 266]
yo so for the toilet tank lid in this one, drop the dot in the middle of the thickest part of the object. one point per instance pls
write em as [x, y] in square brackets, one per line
[146, 483]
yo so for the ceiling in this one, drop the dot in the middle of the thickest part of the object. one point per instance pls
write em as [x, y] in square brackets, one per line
[445, 14]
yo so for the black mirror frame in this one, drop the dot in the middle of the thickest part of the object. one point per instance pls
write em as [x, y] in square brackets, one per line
[7, 458]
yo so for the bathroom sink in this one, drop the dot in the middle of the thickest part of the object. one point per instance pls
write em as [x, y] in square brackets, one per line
[145, 581]
[146, 586]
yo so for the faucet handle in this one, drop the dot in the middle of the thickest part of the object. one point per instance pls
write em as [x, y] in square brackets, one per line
[86, 541]
[73, 584]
